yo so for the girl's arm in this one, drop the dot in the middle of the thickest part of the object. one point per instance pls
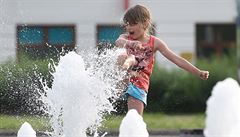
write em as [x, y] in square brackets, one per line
[179, 61]
[121, 41]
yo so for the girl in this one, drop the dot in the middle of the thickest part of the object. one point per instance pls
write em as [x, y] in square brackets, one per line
[139, 57]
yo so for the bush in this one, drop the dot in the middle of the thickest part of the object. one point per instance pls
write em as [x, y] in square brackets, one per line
[20, 85]
[179, 91]
[170, 90]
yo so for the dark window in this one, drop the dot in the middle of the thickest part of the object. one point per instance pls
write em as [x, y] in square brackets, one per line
[216, 39]
[31, 36]
[44, 41]
[107, 35]
[60, 36]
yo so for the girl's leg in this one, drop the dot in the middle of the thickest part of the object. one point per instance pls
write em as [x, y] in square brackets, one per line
[134, 103]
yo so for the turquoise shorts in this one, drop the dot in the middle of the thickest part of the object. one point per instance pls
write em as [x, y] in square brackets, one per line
[137, 93]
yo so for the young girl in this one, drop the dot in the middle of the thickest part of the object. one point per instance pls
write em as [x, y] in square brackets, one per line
[139, 57]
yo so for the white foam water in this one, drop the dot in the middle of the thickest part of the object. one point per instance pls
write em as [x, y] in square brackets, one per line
[133, 125]
[80, 93]
[223, 110]
[26, 130]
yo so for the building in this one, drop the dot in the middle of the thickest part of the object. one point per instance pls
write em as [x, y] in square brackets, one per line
[187, 26]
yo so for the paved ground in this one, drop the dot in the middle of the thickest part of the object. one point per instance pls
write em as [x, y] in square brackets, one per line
[160, 133]
[117, 136]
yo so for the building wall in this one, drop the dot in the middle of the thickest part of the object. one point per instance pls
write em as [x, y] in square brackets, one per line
[175, 20]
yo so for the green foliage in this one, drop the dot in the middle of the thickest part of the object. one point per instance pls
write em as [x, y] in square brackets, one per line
[170, 90]
[21, 85]
[179, 91]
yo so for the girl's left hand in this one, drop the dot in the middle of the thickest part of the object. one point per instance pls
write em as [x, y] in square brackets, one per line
[204, 74]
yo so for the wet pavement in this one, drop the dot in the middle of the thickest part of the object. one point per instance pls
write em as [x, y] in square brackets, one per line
[117, 135]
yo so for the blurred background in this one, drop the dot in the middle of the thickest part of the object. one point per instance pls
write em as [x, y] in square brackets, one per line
[202, 31]
[193, 29]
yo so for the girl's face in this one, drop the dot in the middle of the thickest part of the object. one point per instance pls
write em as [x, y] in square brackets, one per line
[136, 31]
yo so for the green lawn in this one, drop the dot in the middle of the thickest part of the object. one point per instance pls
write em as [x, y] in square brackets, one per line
[154, 121]
[14, 122]
[157, 121]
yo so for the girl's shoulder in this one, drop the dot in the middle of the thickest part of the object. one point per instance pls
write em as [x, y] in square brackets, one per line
[154, 37]
[158, 43]
[157, 40]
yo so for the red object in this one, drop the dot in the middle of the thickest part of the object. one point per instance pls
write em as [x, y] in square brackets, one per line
[126, 4]
[142, 81]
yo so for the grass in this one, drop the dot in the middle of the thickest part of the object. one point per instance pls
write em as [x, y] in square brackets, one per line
[154, 121]
[14, 122]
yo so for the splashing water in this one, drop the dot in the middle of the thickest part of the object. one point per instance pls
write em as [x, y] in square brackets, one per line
[81, 92]
[223, 111]
[26, 130]
[133, 125]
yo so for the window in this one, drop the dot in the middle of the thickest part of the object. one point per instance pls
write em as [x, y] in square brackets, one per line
[107, 35]
[31, 36]
[216, 39]
[42, 40]
[60, 36]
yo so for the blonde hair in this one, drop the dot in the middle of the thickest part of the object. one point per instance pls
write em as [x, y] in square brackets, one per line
[138, 14]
